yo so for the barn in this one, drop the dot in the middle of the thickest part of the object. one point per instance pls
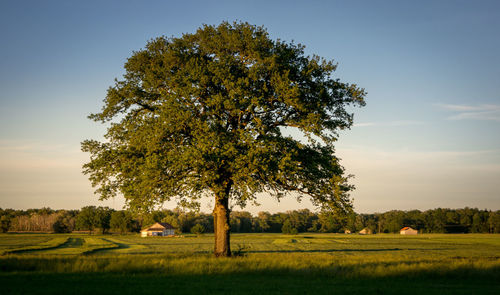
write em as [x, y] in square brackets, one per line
[160, 229]
[408, 231]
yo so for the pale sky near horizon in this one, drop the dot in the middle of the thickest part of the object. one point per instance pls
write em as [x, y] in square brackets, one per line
[428, 137]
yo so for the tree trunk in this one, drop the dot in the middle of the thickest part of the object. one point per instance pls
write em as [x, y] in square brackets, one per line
[221, 227]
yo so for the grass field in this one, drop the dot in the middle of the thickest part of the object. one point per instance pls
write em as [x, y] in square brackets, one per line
[265, 264]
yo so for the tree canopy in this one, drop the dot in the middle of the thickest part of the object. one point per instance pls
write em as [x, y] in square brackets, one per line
[204, 114]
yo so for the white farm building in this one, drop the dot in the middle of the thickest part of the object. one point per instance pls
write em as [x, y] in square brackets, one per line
[408, 231]
[160, 229]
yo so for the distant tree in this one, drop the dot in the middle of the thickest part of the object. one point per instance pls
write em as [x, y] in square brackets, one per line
[359, 222]
[5, 222]
[288, 228]
[122, 221]
[34, 221]
[494, 222]
[63, 223]
[186, 220]
[466, 214]
[351, 222]
[391, 221]
[480, 222]
[302, 219]
[371, 222]
[207, 220]
[437, 218]
[315, 226]
[44, 211]
[331, 222]
[87, 219]
[453, 218]
[241, 221]
[205, 113]
[263, 219]
[103, 216]
[149, 218]
[197, 229]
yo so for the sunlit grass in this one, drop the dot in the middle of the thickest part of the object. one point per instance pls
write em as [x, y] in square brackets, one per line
[326, 265]
[19, 246]
[461, 264]
[361, 255]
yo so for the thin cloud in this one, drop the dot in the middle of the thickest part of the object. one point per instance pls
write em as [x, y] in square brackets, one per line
[483, 112]
[363, 124]
[389, 123]
[418, 154]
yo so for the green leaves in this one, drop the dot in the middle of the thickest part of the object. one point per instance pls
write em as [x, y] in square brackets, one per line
[202, 113]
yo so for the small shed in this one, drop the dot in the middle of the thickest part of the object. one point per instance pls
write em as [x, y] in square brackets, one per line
[365, 231]
[160, 229]
[408, 231]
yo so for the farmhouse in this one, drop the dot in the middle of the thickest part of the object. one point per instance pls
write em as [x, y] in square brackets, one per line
[161, 229]
[408, 231]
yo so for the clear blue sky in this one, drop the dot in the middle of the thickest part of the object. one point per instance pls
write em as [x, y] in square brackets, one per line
[428, 137]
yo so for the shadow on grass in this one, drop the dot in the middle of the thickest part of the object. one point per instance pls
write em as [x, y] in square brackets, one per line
[98, 250]
[239, 283]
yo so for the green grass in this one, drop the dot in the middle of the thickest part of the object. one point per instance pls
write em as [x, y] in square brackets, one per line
[269, 263]
[20, 245]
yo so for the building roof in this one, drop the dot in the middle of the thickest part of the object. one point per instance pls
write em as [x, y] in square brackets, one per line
[154, 229]
[159, 226]
[407, 228]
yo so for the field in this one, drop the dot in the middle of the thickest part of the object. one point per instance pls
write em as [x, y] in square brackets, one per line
[263, 264]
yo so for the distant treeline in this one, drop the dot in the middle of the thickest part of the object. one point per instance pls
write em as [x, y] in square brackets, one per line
[104, 219]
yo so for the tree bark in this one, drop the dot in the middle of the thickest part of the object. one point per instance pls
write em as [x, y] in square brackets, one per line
[221, 227]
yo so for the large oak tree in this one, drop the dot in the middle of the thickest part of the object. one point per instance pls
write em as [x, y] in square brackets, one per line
[204, 115]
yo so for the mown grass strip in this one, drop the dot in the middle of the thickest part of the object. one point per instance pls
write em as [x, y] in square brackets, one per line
[126, 247]
[94, 245]
[51, 244]
[67, 246]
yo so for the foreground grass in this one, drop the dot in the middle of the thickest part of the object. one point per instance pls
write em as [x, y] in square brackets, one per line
[372, 266]
[108, 283]
[269, 264]
[281, 273]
